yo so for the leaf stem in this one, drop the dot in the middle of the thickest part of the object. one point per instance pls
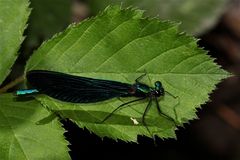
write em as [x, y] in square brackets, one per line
[11, 84]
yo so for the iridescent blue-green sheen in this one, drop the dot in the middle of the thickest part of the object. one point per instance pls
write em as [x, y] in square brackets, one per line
[26, 91]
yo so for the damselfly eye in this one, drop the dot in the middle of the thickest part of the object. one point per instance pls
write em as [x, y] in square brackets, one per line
[158, 85]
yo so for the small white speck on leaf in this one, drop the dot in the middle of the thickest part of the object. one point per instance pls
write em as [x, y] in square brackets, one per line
[134, 121]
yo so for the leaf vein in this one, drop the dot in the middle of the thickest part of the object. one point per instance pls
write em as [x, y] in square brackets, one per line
[12, 130]
[100, 40]
[183, 61]
[116, 52]
[161, 54]
[198, 65]
[55, 45]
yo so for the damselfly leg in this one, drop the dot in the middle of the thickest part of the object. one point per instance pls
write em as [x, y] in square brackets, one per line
[120, 107]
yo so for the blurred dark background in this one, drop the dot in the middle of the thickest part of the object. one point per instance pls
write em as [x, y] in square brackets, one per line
[214, 136]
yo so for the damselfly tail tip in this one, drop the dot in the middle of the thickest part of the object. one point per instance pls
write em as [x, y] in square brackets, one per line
[24, 92]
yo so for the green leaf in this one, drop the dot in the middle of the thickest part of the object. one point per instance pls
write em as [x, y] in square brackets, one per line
[120, 44]
[13, 18]
[22, 138]
[46, 19]
[196, 16]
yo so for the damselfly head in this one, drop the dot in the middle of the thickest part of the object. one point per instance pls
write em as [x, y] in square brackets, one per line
[159, 90]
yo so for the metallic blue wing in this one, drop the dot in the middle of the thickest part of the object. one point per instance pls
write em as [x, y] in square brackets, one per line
[75, 89]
